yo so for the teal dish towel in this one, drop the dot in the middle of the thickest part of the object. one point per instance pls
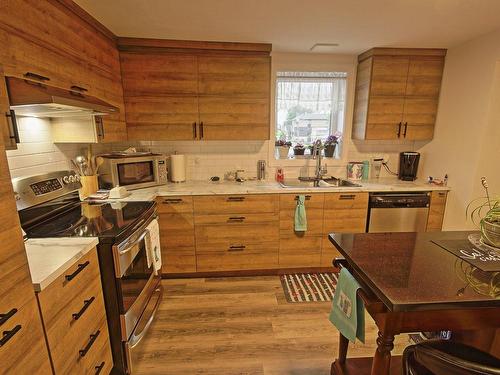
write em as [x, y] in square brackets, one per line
[300, 214]
[348, 310]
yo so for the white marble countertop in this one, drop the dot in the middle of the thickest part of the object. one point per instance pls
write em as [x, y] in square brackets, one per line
[49, 258]
[272, 187]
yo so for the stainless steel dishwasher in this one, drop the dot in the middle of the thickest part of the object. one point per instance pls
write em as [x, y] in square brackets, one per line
[398, 212]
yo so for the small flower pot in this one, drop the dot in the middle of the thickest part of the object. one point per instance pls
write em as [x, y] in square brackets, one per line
[299, 151]
[283, 151]
[330, 150]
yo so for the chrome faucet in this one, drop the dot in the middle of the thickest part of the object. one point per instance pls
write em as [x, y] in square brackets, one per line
[316, 154]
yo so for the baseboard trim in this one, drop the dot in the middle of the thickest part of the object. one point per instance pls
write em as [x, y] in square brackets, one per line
[242, 273]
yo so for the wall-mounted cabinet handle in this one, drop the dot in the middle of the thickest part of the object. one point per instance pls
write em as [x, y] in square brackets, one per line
[201, 130]
[406, 128]
[194, 130]
[347, 196]
[99, 368]
[99, 126]
[13, 129]
[7, 316]
[86, 304]
[308, 197]
[235, 199]
[442, 194]
[85, 350]
[236, 248]
[7, 335]
[78, 88]
[79, 269]
[172, 201]
[237, 219]
[399, 129]
[35, 76]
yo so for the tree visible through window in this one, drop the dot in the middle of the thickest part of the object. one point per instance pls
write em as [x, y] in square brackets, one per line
[309, 106]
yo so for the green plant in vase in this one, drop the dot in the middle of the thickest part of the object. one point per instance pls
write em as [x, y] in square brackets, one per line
[485, 213]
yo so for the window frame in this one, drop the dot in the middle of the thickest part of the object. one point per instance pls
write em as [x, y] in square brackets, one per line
[313, 63]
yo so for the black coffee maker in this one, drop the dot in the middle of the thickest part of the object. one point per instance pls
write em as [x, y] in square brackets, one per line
[408, 165]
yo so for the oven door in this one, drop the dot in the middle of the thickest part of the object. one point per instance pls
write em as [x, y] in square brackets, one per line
[135, 278]
[132, 345]
[135, 173]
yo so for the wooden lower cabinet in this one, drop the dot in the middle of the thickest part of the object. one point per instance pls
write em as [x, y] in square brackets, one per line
[74, 320]
[436, 211]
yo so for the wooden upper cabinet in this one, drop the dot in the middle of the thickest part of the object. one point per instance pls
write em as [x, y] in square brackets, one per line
[177, 90]
[397, 93]
[56, 43]
[8, 126]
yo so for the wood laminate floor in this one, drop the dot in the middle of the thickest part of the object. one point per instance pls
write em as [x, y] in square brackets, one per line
[242, 325]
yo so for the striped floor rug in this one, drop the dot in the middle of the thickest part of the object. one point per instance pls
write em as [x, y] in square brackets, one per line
[309, 287]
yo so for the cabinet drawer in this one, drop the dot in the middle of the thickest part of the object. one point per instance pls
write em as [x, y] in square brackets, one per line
[236, 220]
[347, 221]
[346, 201]
[240, 247]
[236, 233]
[298, 251]
[172, 205]
[220, 257]
[314, 214]
[235, 204]
[25, 352]
[98, 359]
[60, 293]
[178, 260]
[176, 230]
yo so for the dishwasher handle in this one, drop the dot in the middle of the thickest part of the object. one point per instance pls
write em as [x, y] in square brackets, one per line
[399, 200]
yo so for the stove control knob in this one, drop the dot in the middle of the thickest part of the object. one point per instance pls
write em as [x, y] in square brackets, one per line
[71, 178]
[66, 179]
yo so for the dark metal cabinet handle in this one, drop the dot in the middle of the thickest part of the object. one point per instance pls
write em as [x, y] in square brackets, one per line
[14, 134]
[100, 127]
[399, 129]
[172, 201]
[38, 77]
[238, 219]
[201, 130]
[79, 88]
[347, 197]
[235, 199]
[80, 268]
[7, 316]
[7, 335]
[86, 304]
[308, 197]
[99, 368]
[194, 130]
[236, 248]
[406, 128]
[85, 350]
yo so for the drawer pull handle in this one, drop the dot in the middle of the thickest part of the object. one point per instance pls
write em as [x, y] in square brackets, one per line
[237, 219]
[86, 304]
[78, 88]
[236, 248]
[347, 197]
[99, 368]
[235, 199]
[172, 201]
[38, 77]
[80, 268]
[7, 316]
[7, 335]
[308, 197]
[85, 350]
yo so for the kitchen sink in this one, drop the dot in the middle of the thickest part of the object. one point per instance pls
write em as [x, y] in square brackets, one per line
[311, 182]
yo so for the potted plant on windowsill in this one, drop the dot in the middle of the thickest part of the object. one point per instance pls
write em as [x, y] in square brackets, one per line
[283, 148]
[485, 213]
[299, 149]
[330, 144]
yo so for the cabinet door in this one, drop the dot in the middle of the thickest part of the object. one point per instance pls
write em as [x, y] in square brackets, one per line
[424, 76]
[7, 121]
[385, 116]
[160, 95]
[389, 75]
[436, 211]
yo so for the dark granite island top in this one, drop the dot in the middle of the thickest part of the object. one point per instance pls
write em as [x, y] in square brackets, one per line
[408, 272]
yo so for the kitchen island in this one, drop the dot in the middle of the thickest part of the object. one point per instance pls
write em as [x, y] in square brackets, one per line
[409, 284]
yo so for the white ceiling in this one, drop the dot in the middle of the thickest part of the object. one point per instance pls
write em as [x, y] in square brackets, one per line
[295, 25]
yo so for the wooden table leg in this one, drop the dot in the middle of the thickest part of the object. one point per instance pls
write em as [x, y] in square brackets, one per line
[343, 346]
[382, 359]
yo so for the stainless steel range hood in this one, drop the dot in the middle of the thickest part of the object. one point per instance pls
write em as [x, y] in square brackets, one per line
[34, 99]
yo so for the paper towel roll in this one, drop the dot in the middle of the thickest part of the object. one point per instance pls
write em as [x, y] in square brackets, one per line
[177, 168]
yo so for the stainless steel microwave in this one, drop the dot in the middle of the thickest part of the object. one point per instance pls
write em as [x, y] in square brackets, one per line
[133, 171]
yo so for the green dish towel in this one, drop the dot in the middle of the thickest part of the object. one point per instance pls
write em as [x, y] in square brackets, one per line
[300, 214]
[348, 310]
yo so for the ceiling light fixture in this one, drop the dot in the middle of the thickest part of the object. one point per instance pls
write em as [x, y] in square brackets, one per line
[323, 47]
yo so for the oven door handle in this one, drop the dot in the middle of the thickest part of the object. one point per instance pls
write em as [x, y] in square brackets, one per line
[131, 245]
[135, 339]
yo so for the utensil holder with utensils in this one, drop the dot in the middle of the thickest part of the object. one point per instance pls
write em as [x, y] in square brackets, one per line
[90, 186]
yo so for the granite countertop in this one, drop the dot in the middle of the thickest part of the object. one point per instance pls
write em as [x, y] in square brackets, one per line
[49, 258]
[272, 187]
